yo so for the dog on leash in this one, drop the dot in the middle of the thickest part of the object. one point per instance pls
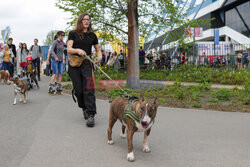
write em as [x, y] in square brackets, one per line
[4, 75]
[21, 88]
[135, 116]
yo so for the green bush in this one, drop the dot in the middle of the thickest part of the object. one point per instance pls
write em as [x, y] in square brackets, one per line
[65, 77]
[113, 93]
[196, 105]
[212, 100]
[196, 95]
[246, 100]
[187, 73]
[180, 94]
[205, 86]
[222, 94]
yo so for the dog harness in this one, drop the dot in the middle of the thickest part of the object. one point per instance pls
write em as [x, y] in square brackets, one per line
[128, 112]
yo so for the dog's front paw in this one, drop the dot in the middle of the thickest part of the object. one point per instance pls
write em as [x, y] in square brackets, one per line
[24, 102]
[131, 157]
[14, 103]
[146, 149]
[110, 142]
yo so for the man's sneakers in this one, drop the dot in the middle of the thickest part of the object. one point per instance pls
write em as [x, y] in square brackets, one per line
[91, 121]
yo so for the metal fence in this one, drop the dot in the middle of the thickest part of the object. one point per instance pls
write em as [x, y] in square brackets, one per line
[208, 54]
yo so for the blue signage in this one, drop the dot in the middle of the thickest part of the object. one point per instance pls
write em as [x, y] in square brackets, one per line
[216, 37]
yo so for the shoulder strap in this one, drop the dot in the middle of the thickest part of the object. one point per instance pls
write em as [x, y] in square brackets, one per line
[40, 49]
[31, 49]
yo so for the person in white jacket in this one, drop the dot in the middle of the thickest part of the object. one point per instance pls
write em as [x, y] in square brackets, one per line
[18, 56]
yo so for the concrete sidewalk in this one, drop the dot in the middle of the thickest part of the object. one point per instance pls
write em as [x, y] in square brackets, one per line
[49, 131]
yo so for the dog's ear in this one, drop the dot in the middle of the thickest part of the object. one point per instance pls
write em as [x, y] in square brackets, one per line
[142, 97]
[156, 101]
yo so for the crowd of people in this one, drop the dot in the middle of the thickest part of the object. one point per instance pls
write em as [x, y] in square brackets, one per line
[20, 60]
[113, 60]
[156, 60]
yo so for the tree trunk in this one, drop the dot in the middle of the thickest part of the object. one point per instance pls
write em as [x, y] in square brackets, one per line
[133, 80]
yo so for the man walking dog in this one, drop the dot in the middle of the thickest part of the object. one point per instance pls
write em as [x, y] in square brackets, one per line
[36, 53]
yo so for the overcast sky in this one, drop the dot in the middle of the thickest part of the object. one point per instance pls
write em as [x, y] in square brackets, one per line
[29, 19]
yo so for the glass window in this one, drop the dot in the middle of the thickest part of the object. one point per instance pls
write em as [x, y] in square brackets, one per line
[229, 1]
[234, 21]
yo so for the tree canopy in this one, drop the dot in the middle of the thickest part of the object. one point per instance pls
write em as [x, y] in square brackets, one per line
[112, 15]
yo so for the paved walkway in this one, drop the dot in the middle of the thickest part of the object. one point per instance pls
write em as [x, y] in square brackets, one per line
[49, 131]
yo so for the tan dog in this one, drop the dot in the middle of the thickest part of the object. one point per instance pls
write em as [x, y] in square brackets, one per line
[21, 88]
[145, 112]
[4, 75]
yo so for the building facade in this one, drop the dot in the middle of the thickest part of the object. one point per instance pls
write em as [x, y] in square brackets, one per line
[231, 18]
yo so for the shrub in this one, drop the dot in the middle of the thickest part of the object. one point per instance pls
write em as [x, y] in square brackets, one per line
[212, 100]
[196, 95]
[180, 94]
[222, 94]
[246, 100]
[196, 105]
[65, 77]
[205, 86]
[113, 93]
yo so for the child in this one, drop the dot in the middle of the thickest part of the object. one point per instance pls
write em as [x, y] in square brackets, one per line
[31, 69]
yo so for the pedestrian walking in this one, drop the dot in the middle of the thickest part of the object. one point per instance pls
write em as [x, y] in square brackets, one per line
[239, 59]
[111, 60]
[1, 57]
[48, 61]
[103, 58]
[117, 64]
[245, 60]
[80, 42]
[18, 57]
[141, 57]
[121, 59]
[30, 68]
[57, 62]
[24, 55]
[36, 53]
[7, 56]
[12, 47]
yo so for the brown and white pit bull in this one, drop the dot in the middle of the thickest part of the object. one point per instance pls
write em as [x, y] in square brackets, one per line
[4, 75]
[145, 112]
[21, 88]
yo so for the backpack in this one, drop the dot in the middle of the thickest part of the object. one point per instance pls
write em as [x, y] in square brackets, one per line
[40, 49]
